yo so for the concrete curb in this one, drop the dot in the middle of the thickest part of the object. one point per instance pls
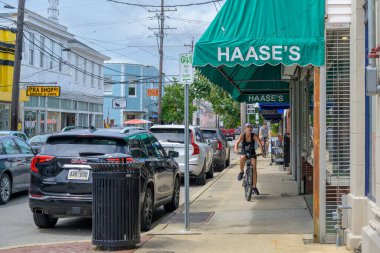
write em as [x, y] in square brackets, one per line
[43, 244]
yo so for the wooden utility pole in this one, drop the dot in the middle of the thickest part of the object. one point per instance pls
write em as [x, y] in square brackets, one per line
[161, 35]
[17, 66]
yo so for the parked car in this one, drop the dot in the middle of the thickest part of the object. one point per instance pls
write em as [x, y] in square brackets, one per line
[123, 130]
[229, 133]
[15, 158]
[38, 141]
[54, 193]
[221, 148]
[72, 128]
[20, 135]
[172, 137]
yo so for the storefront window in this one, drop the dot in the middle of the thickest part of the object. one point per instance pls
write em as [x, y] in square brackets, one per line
[52, 121]
[4, 116]
[30, 123]
[42, 122]
[83, 119]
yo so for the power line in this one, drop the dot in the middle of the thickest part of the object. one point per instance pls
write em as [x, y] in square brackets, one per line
[165, 6]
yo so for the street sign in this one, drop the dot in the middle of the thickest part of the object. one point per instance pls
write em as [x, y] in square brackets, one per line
[251, 108]
[152, 92]
[43, 91]
[186, 71]
[119, 103]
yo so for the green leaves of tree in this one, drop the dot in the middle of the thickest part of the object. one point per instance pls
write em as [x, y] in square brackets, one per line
[202, 89]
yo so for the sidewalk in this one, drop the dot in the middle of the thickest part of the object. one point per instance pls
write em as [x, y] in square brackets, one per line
[223, 221]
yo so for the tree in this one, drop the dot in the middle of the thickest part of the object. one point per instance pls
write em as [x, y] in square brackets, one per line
[222, 102]
[173, 104]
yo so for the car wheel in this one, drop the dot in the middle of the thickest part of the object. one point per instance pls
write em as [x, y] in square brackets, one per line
[147, 210]
[228, 162]
[5, 189]
[201, 178]
[44, 220]
[174, 203]
[210, 173]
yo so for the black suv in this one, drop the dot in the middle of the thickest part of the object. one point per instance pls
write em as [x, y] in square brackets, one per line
[61, 179]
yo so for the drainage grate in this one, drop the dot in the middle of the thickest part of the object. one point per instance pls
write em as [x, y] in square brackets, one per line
[161, 251]
[196, 217]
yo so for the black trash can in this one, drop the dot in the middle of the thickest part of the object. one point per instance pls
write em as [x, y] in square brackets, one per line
[286, 150]
[116, 204]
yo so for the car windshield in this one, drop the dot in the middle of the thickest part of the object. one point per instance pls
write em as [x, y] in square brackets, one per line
[84, 146]
[38, 139]
[169, 134]
[210, 134]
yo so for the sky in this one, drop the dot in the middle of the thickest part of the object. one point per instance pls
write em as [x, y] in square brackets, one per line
[122, 32]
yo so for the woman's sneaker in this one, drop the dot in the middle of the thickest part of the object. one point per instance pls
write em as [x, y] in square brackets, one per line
[240, 177]
[256, 191]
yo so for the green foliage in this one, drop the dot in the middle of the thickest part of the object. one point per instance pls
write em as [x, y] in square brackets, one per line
[222, 102]
[274, 128]
[202, 89]
[173, 104]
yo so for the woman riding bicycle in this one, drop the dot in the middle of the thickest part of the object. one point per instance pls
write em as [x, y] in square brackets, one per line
[248, 139]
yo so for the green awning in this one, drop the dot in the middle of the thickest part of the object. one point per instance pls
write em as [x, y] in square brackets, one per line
[244, 47]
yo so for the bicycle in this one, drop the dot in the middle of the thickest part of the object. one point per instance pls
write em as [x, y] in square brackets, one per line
[248, 175]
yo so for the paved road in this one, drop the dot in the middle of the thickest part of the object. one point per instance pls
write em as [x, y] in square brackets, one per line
[17, 226]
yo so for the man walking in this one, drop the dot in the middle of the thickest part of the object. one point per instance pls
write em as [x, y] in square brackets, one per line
[264, 137]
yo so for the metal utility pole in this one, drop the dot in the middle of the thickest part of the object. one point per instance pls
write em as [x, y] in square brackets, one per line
[161, 35]
[17, 66]
[190, 45]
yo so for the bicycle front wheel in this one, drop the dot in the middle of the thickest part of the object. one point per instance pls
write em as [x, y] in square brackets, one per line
[248, 184]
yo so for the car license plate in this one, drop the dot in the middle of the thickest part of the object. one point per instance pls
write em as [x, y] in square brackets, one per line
[78, 174]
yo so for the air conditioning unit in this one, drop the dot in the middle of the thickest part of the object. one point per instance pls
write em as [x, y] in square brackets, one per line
[288, 71]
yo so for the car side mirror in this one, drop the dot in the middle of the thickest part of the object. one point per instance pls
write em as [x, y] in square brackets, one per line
[173, 154]
[36, 150]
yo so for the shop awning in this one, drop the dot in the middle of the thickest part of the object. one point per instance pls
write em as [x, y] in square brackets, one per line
[248, 42]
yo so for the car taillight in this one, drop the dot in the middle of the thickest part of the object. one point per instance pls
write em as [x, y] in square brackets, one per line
[120, 160]
[196, 149]
[220, 145]
[40, 159]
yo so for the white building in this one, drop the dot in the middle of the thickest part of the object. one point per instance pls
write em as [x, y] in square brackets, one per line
[53, 56]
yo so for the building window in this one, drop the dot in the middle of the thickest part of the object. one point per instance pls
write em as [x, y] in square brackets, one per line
[108, 84]
[93, 74]
[76, 68]
[85, 71]
[132, 90]
[42, 54]
[60, 47]
[100, 74]
[51, 60]
[31, 49]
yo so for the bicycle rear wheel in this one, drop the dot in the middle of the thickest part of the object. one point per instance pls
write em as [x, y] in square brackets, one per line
[248, 184]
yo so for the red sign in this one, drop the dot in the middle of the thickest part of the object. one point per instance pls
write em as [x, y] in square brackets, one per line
[153, 92]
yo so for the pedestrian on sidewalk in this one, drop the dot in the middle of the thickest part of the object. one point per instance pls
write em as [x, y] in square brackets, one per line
[248, 139]
[264, 137]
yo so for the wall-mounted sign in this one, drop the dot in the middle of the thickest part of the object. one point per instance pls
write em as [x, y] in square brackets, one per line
[43, 91]
[152, 92]
[119, 103]
[266, 98]
[252, 108]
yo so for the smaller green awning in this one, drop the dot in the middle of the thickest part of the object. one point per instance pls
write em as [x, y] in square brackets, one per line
[244, 47]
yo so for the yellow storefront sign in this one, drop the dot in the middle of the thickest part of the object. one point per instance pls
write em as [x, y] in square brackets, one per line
[7, 51]
[43, 91]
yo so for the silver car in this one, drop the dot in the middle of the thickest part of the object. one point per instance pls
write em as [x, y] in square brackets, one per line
[172, 137]
[220, 147]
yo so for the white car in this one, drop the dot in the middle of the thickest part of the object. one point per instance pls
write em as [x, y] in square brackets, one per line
[172, 137]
